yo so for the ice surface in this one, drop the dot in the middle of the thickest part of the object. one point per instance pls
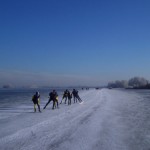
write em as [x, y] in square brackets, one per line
[107, 120]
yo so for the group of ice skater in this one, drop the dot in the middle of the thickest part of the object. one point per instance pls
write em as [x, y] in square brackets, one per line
[53, 96]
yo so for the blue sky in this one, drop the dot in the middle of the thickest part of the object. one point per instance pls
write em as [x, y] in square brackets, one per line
[80, 42]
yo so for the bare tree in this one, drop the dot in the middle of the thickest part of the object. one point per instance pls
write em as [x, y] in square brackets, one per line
[137, 82]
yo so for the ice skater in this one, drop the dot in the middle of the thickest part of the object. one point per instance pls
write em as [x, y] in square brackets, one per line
[65, 96]
[78, 97]
[36, 101]
[74, 96]
[55, 99]
[50, 99]
[69, 98]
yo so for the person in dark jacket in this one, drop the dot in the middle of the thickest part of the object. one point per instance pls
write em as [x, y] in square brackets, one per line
[50, 99]
[65, 96]
[69, 98]
[36, 101]
[74, 93]
[78, 97]
[55, 99]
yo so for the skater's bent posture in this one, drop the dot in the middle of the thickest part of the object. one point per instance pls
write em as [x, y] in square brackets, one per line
[50, 99]
[36, 101]
[74, 95]
[78, 97]
[69, 98]
[55, 99]
[65, 96]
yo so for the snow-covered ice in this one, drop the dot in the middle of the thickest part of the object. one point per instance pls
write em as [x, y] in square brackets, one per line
[107, 120]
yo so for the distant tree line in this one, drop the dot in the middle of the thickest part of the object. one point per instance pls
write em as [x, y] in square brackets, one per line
[135, 82]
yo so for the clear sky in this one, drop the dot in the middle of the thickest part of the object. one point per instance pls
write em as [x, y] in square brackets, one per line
[73, 42]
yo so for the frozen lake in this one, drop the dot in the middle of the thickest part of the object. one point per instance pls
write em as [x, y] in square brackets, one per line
[107, 120]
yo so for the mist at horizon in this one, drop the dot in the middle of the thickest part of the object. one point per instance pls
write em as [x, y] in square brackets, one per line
[33, 79]
[26, 79]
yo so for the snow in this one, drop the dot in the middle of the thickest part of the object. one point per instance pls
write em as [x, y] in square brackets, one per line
[107, 120]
